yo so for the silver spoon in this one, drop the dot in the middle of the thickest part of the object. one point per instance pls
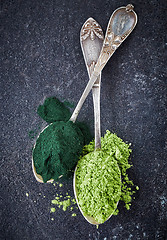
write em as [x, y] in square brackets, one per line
[91, 39]
[120, 22]
[92, 35]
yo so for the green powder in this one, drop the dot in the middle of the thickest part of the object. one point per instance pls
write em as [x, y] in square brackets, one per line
[98, 181]
[59, 146]
[57, 150]
[64, 202]
[52, 209]
[53, 110]
[99, 173]
[98, 178]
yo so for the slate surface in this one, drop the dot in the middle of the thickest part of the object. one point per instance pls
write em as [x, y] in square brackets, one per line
[41, 57]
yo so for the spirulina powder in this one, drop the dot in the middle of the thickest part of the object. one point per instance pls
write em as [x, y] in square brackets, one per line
[59, 146]
[54, 110]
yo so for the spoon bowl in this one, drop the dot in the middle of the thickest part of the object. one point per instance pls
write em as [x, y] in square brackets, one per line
[37, 176]
[91, 220]
[94, 190]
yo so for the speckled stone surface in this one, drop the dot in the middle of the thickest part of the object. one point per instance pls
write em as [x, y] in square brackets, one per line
[40, 57]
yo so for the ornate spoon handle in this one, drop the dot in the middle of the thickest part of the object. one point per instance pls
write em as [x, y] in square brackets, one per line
[91, 39]
[121, 24]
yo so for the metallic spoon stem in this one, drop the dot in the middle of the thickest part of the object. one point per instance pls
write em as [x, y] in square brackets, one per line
[91, 39]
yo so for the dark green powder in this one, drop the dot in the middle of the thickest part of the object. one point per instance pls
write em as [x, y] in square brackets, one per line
[59, 146]
[53, 110]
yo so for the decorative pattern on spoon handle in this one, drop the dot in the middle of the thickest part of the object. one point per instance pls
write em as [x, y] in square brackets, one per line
[92, 37]
[91, 29]
[113, 40]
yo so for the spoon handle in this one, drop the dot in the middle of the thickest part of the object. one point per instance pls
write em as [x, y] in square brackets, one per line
[91, 39]
[121, 24]
[96, 104]
[84, 96]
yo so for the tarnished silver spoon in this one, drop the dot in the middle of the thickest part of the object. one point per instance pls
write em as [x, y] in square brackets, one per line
[91, 39]
[92, 35]
[120, 19]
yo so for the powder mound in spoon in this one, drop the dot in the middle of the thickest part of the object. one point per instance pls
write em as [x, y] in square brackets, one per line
[53, 110]
[98, 183]
[59, 146]
[57, 150]
[92, 166]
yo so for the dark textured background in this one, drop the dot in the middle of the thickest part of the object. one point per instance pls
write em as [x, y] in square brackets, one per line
[41, 57]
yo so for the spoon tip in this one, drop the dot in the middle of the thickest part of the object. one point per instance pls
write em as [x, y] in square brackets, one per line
[90, 19]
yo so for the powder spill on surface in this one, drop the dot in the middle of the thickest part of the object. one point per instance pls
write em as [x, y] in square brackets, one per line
[59, 146]
[65, 203]
[52, 210]
[98, 177]
[74, 215]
